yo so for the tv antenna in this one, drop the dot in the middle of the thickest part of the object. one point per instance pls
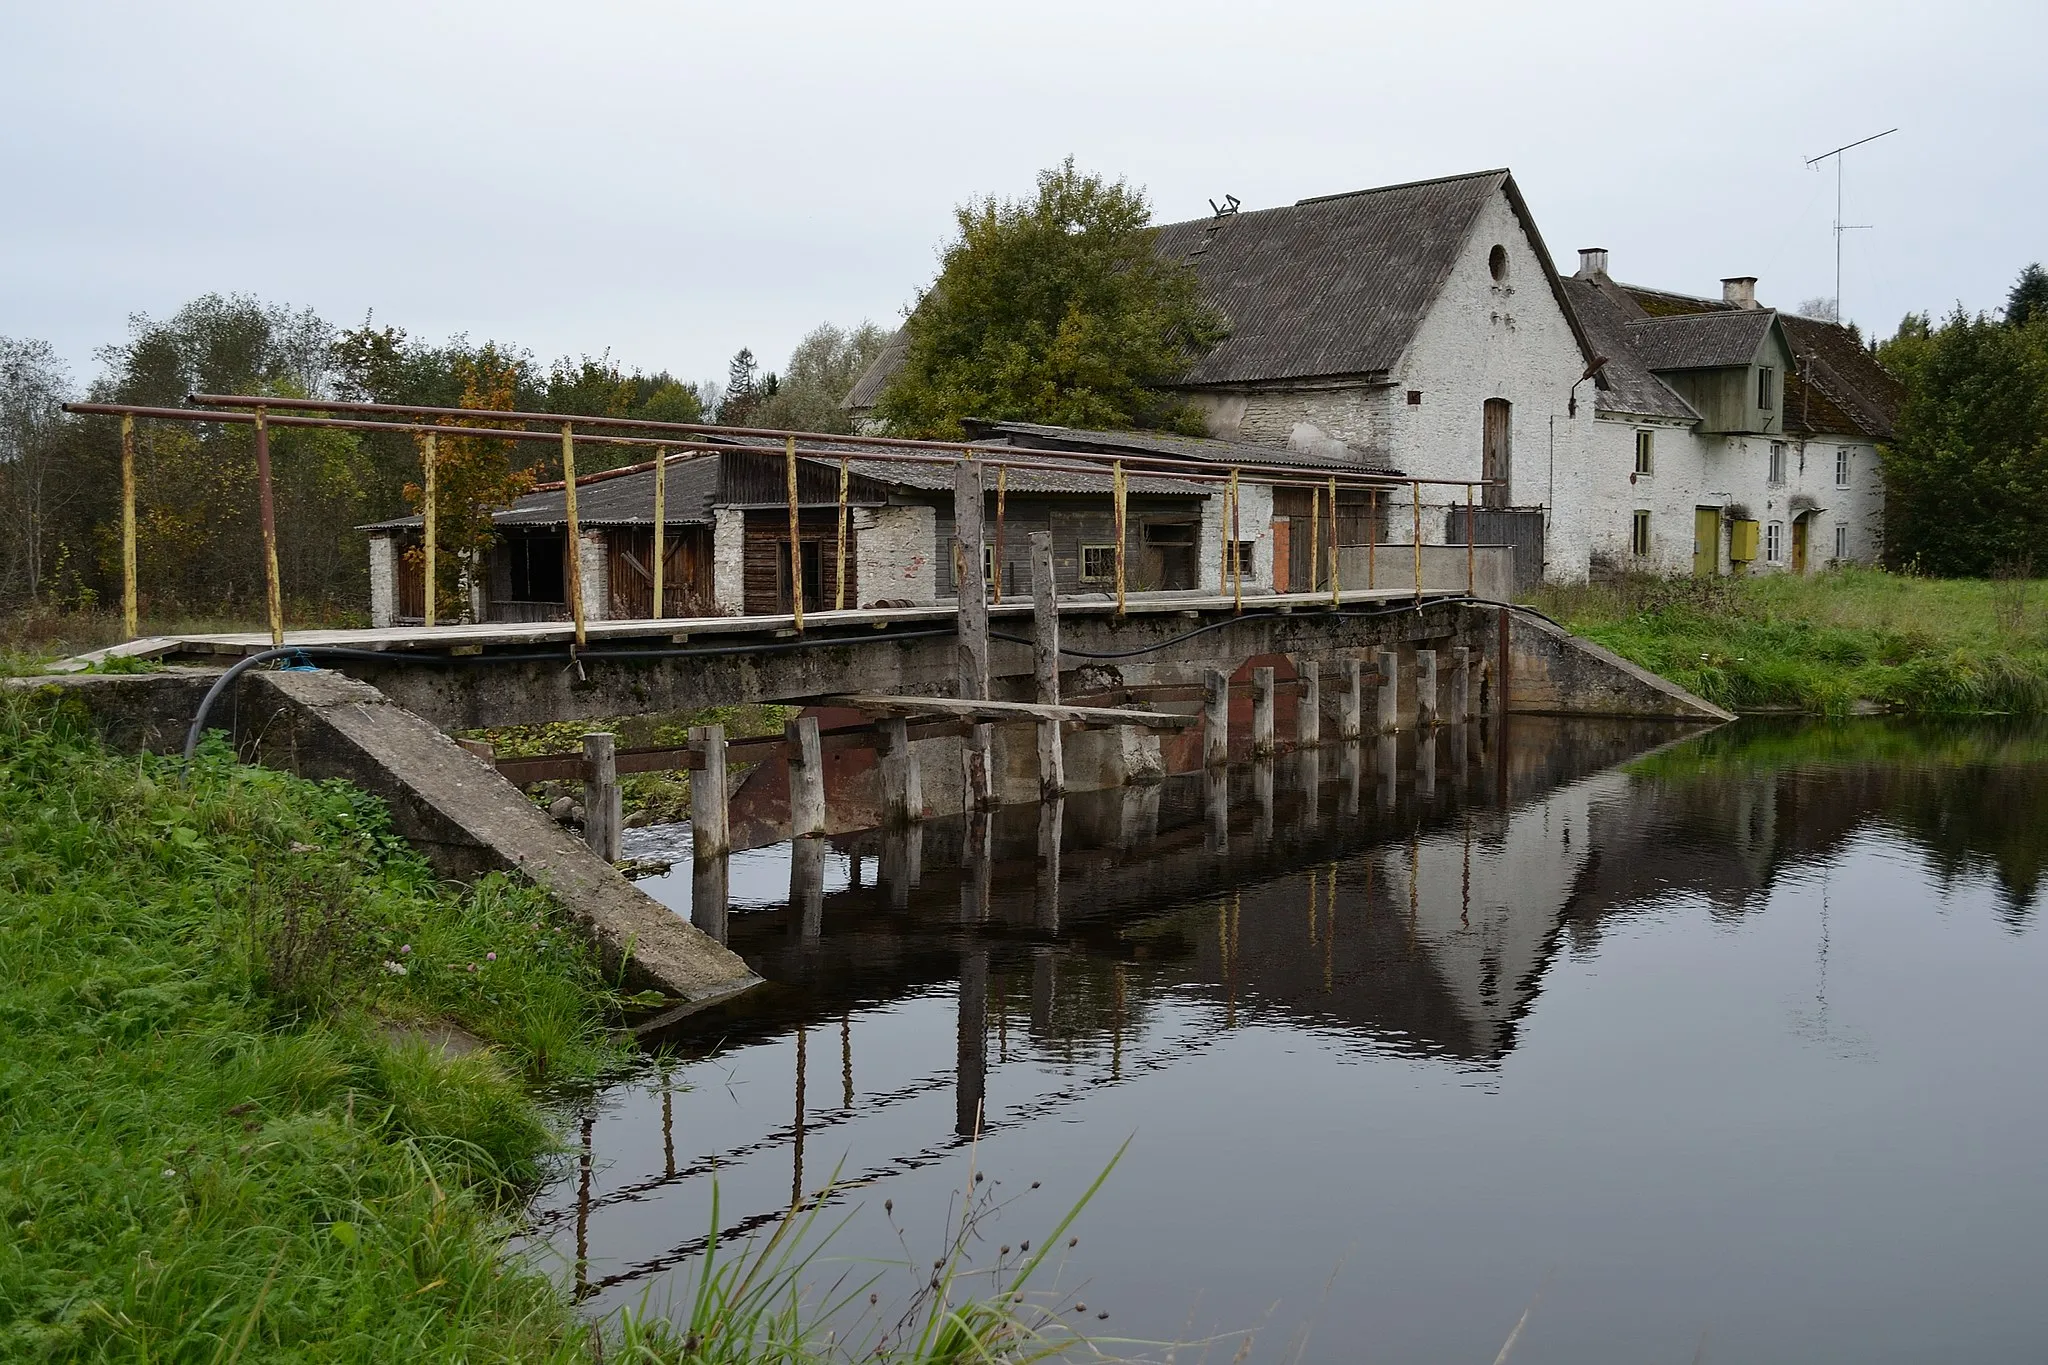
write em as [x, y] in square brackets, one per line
[1813, 163]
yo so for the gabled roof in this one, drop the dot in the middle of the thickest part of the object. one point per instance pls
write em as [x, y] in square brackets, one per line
[1625, 384]
[1702, 341]
[1330, 287]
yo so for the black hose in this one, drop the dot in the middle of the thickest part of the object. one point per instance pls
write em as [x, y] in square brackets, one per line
[243, 665]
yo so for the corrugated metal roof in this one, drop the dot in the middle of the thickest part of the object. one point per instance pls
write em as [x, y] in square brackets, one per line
[1701, 341]
[1220, 453]
[934, 478]
[1626, 384]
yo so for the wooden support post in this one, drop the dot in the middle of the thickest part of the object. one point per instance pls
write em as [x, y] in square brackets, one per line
[710, 831]
[575, 530]
[430, 539]
[1002, 499]
[839, 590]
[1045, 664]
[1215, 718]
[971, 600]
[129, 613]
[1426, 714]
[902, 779]
[1262, 712]
[796, 543]
[1236, 548]
[1415, 493]
[266, 506]
[1389, 670]
[602, 818]
[660, 524]
[806, 777]
[1351, 702]
[1308, 704]
[1461, 685]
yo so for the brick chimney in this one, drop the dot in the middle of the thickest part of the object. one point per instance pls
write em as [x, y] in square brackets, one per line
[1592, 261]
[1739, 290]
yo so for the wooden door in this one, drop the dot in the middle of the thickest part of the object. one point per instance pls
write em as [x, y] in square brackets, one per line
[1496, 447]
[1799, 537]
[1706, 541]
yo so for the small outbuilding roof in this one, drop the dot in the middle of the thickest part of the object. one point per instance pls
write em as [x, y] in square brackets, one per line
[1702, 341]
[1222, 454]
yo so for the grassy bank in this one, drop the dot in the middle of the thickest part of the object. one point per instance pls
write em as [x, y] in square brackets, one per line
[238, 1116]
[1828, 642]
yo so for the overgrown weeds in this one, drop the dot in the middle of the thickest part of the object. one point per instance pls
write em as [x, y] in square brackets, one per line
[1827, 644]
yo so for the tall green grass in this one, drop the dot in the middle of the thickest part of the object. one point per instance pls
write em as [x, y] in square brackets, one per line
[1827, 643]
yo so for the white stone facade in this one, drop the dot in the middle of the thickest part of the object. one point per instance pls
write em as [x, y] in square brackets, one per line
[383, 582]
[729, 560]
[894, 549]
[592, 564]
[1254, 524]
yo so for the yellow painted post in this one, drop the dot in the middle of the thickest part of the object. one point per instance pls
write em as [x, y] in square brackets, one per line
[660, 524]
[266, 503]
[1415, 495]
[128, 594]
[575, 533]
[429, 546]
[1471, 574]
[1315, 536]
[1336, 596]
[1117, 492]
[839, 592]
[1002, 496]
[1223, 545]
[1372, 539]
[796, 545]
[1236, 546]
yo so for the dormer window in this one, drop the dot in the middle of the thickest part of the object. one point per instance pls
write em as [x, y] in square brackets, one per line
[1766, 387]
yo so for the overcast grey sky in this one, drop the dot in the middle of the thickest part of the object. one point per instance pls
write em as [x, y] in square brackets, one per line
[673, 181]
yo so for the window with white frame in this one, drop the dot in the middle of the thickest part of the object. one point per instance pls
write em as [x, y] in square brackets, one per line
[1646, 453]
[1098, 563]
[1777, 462]
[1841, 466]
[1774, 542]
[1841, 541]
[1639, 534]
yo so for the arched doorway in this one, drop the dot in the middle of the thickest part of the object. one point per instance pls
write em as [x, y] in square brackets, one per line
[1496, 450]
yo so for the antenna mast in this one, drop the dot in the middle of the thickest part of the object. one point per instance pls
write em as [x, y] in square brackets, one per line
[1840, 226]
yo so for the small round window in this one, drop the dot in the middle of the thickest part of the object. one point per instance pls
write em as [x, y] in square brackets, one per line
[1497, 262]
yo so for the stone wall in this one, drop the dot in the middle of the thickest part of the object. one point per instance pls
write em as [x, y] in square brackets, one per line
[895, 551]
[729, 560]
[594, 564]
[383, 581]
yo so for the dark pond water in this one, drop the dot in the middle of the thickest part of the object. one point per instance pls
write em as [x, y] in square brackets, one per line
[1736, 1039]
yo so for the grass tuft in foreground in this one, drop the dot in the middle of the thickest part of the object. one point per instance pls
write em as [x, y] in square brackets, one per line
[1827, 642]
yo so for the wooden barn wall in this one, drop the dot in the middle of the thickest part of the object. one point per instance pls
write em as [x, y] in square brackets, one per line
[767, 553]
[749, 480]
[686, 588]
[1074, 522]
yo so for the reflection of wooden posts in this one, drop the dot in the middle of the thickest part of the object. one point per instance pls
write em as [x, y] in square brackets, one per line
[1351, 701]
[129, 612]
[602, 816]
[1388, 666]
[902, 862]
[1425, 763]
[902, 776]
[1386, 753]
[971, 613]
[1308, 770]
[806, 777]
[1215, 718]
[1348, 764]
[807, 888]
[1216, 800]
[1047, 900]
[1045, 663]
[266, 506]
[1262, 800]
[1425, 689]
[1461, 685]
[1308, 704]
[710, 832]
[971, 1043]
[710, 895]
[660, 524]
[1262, 711]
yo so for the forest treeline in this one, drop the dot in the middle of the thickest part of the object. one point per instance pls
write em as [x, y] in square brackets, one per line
[197, 532]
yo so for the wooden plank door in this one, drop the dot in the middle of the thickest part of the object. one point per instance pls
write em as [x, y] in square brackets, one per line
[1496, 446]
[1800, 527]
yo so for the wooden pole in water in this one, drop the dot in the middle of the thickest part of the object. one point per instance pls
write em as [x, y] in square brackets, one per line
[266, 506]
[602, 816]
[1461, 685]
[1308, 704]
[1215, 718]
[1425, 689]
[1045, 664]
[660, 524]
[1262, 712]
[429, 527]
[796, 544]
[575, 530]
[1388, 666]
[1351, 702]
[806, 777]
[710, 828]
[129, 612]
[902, 777]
